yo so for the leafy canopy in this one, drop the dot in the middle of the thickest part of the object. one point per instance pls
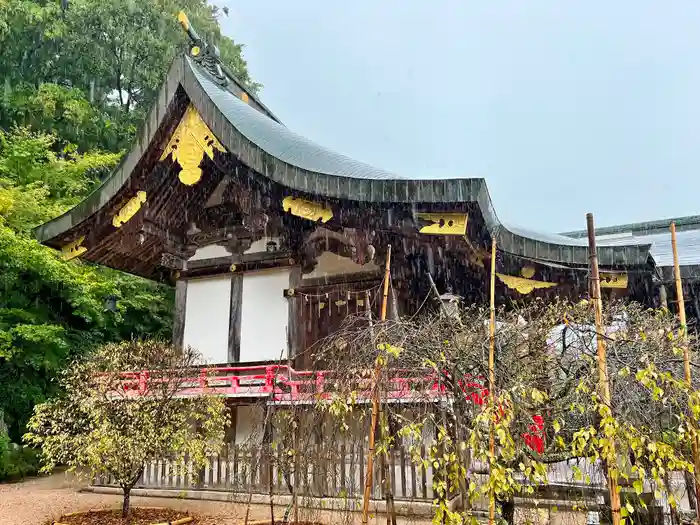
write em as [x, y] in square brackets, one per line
[75, 86]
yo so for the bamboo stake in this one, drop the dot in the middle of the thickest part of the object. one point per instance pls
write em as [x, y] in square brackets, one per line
[686, 356]
[492, 378]
[375, 400]
[386, 282]
[604, 381]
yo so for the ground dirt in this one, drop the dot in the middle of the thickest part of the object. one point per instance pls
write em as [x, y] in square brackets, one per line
[43, 500]
[138, 516]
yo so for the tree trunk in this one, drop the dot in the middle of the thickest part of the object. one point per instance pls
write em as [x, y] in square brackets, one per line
[126, 503]
[690, 489]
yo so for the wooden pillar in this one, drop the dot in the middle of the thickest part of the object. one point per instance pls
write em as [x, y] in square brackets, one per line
[663, 296]
[294, 319]
[179, 313]
[234, 323]
[394, 309]
[230, 436]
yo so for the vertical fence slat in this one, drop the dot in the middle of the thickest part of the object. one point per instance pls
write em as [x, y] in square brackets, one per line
[280, 469]
[343, 483]
[255, 466]
[402, 461]
[233, 479]
[361, 460]
[204, 473]
[424, 474]
[166, 472]
[223, 468]
[353, 484]
[324, 472]
[392, 471]
[414, 485]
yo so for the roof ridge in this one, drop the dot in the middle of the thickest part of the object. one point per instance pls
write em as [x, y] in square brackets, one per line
[208, 57]
[688, 222]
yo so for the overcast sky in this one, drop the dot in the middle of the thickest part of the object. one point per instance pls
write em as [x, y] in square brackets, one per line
[563, 107]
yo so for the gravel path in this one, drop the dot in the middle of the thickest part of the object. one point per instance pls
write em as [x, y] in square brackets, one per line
[40, 500]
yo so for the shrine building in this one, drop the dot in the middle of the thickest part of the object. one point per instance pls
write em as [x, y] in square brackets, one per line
[272, 240]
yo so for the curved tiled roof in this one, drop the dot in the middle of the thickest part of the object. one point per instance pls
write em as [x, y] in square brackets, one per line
[282, 143]
[261, 142]
[657, 234]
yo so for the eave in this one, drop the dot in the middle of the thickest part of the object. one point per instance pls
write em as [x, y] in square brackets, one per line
[270, 149]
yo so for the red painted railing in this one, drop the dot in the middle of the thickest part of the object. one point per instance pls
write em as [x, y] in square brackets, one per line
[284, 385]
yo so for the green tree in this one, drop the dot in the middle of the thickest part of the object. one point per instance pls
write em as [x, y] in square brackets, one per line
[52, 311]
[68, 115]
[108, 425]
[36, 184]
[112, 50]
[75, 86]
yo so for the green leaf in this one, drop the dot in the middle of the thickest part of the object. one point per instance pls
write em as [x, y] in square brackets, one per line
[638, 486]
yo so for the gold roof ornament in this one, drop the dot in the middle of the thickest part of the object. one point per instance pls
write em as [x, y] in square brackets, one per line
[613, 280]
[191, 141]
[206, 55]
[130, 209]
[307, 209]
[444, 223]
[73, 249]
[523, 285]
[527, 272]
[184, 21]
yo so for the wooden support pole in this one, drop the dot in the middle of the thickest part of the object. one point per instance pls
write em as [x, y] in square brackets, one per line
[603, 380]
[492, 378]
[375, 399]
[686, 355]
[385, 298]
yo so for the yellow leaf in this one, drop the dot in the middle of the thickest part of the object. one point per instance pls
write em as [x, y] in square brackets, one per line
[629, 507]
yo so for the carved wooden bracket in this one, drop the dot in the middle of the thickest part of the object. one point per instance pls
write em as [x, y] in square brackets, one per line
[130, 209]
[172, 261]
[351, 243]
[73, 249]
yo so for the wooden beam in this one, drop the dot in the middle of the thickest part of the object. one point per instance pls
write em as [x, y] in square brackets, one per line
[234, 325]
[293, 316]
[179, 313]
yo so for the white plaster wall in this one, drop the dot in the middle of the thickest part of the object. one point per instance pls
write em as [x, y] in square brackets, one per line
[264, 315]
[211, 251]
[207, 317]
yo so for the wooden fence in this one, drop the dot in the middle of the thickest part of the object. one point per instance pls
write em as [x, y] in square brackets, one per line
[323, 472]
[338, 470]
